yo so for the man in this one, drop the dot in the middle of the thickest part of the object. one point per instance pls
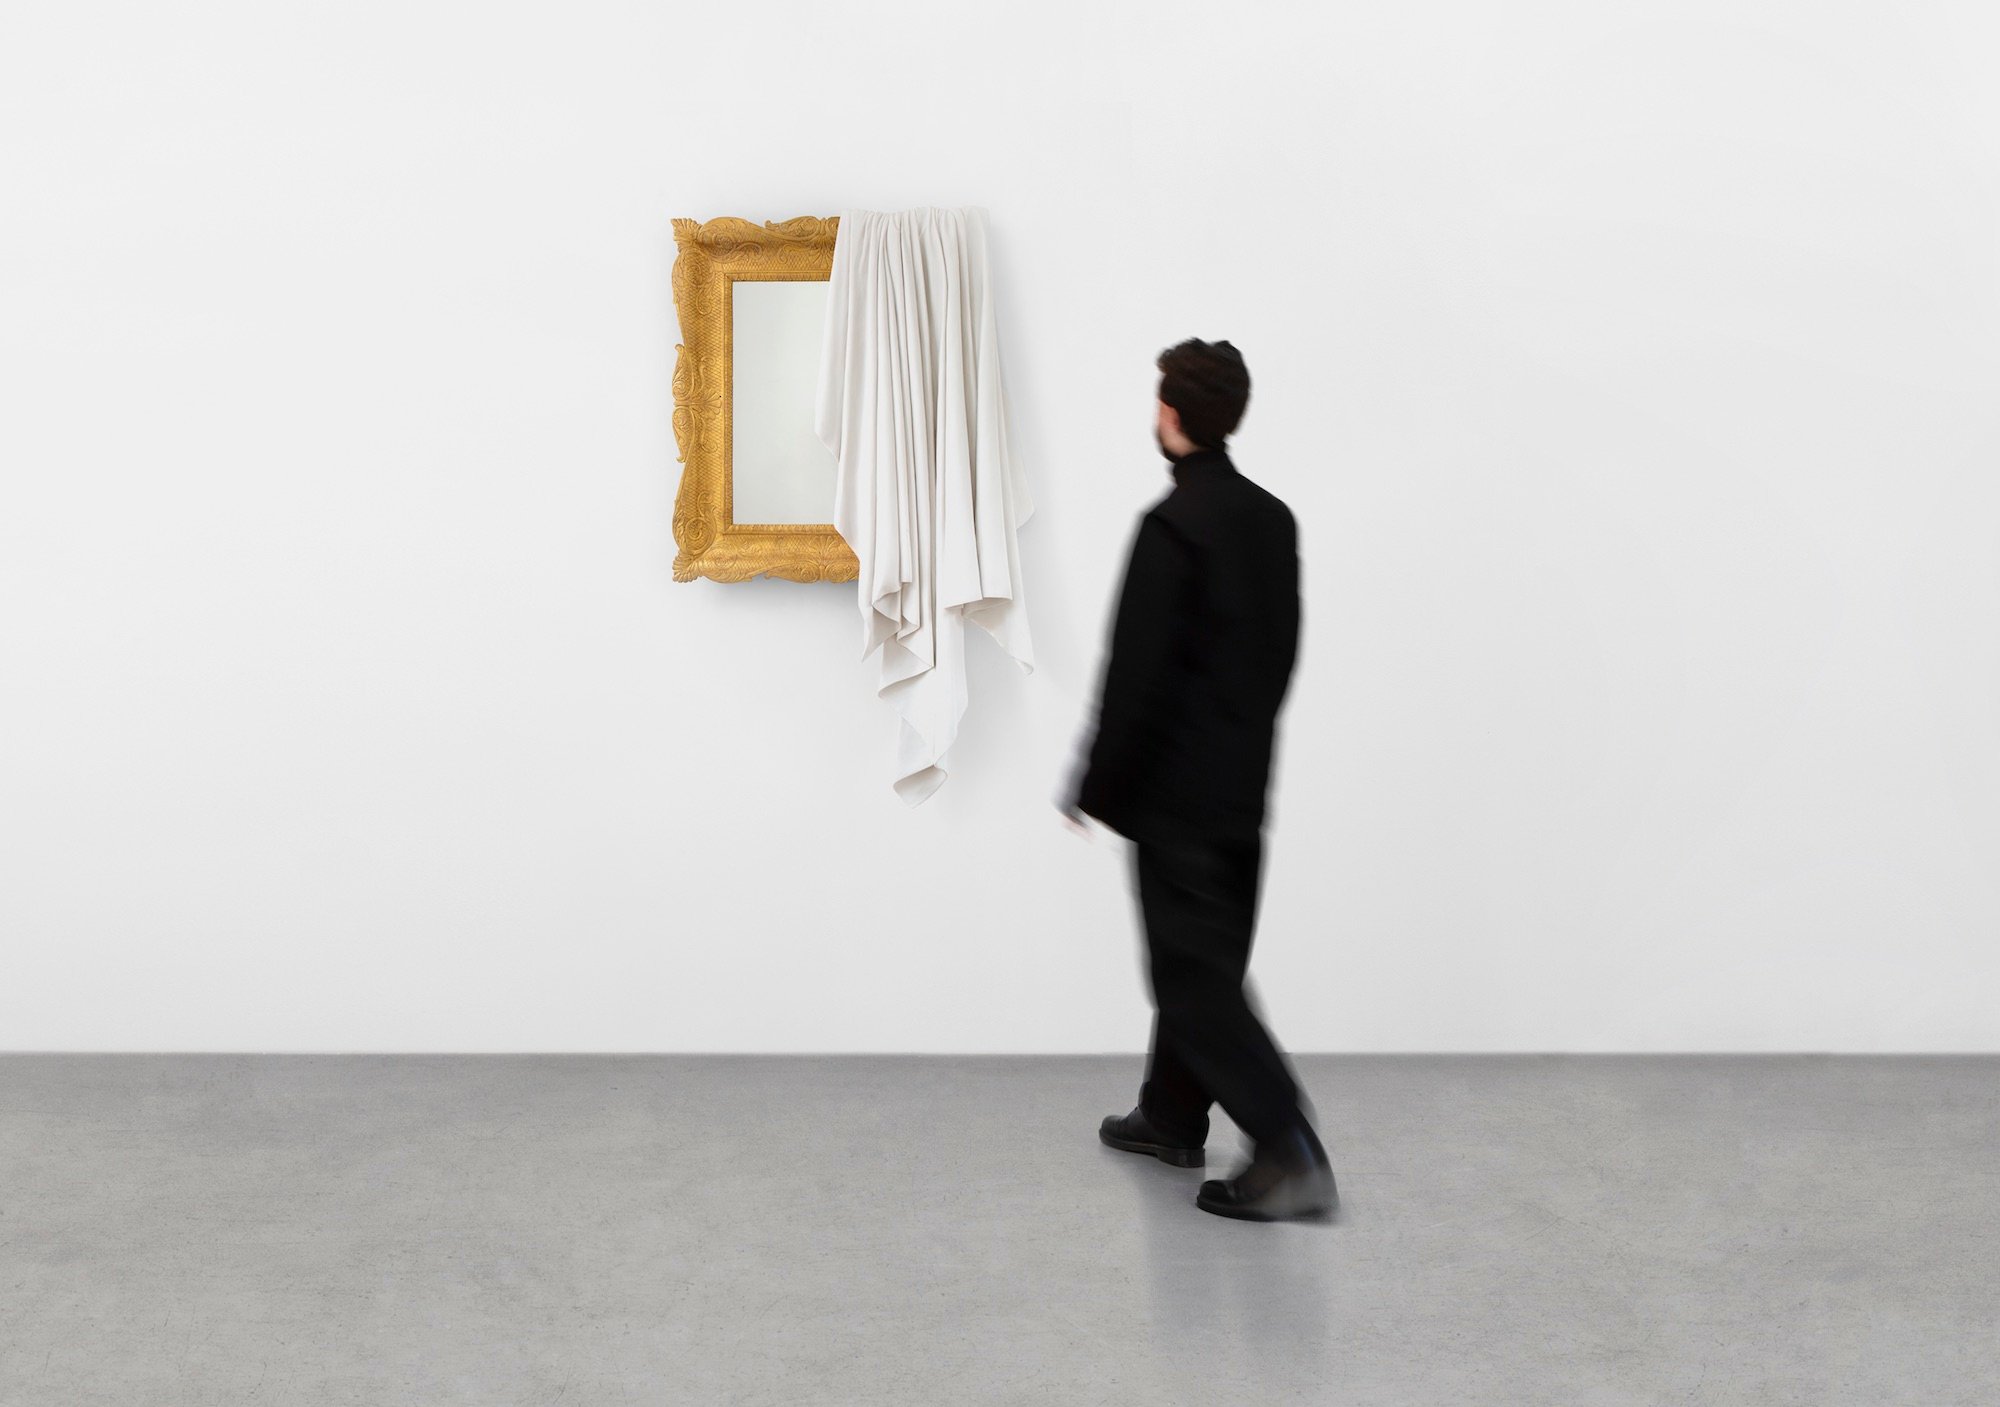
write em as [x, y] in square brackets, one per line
[1202, 649]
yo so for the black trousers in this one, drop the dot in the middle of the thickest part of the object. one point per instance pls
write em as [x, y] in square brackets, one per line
[1198, 901]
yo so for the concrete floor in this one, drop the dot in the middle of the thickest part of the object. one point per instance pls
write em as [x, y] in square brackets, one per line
[582, 1230]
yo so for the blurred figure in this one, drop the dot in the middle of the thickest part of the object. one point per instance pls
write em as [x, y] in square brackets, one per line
[1202, 649]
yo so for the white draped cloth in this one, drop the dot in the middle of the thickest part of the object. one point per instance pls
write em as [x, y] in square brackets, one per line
[926, 490]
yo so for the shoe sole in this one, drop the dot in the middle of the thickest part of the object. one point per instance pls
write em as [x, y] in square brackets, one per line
[1246, 1214]
[1174, 1157]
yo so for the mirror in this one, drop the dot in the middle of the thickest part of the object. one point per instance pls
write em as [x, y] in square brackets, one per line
[756, 490]
[780, 471]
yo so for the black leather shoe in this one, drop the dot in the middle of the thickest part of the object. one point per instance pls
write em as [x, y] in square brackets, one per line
[1288, 1178]
[1135, 1134]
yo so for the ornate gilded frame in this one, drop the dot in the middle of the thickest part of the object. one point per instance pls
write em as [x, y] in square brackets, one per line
[713, 255]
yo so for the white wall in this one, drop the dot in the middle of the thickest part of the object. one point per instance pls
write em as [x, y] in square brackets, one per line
[1631, 370]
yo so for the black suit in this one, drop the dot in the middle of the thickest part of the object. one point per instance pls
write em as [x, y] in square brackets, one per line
[1202, 650]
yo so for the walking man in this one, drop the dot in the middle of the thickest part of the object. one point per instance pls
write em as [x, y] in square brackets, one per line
[1202, 649]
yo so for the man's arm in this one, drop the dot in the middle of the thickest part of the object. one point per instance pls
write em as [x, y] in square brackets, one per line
[1141, 675]
[1288, 607]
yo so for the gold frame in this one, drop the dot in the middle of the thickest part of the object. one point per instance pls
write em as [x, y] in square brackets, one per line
[715, 254]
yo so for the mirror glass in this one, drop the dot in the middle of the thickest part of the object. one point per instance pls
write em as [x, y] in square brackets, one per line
[779, 470]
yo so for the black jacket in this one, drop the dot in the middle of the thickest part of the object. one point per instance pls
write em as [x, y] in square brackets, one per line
[1202, 649]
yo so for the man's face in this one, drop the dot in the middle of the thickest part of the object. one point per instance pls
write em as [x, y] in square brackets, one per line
[1163, 424]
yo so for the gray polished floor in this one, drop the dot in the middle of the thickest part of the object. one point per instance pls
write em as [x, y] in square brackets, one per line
[582, 1230]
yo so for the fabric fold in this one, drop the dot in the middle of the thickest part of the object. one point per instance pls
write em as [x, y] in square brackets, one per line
[927, 492]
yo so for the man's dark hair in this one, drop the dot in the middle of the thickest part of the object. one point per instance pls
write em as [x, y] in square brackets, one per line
[1209, 385]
